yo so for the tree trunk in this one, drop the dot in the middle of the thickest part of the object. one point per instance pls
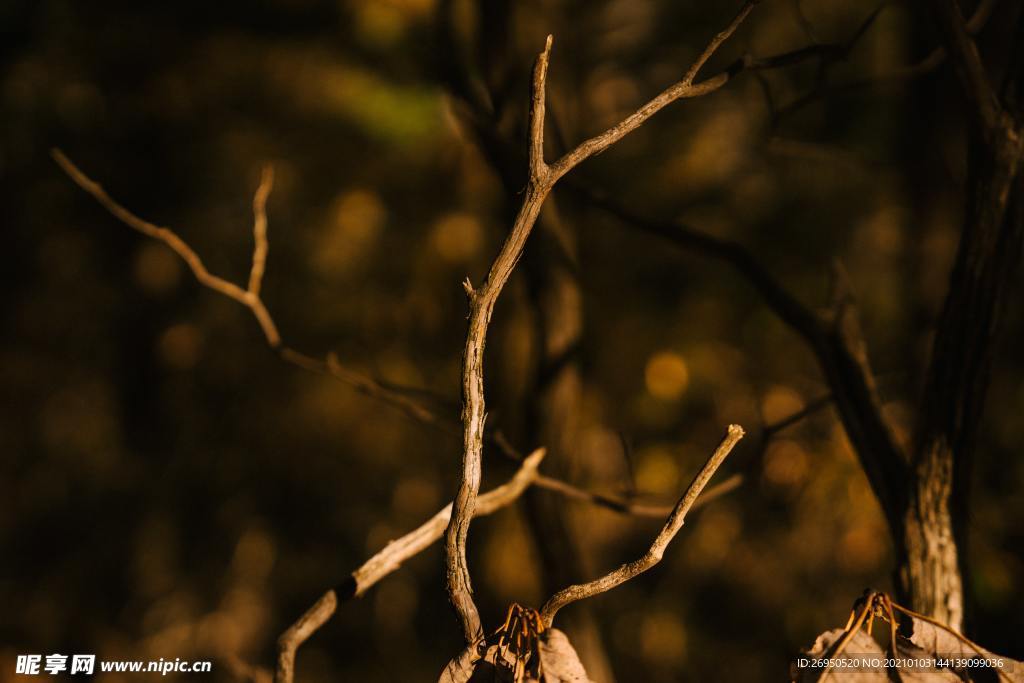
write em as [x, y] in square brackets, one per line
[929, 572]
[934, 522]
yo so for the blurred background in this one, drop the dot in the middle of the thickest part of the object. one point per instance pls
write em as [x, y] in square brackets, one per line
[170, 488]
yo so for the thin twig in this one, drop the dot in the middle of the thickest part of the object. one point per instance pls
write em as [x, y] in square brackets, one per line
[967, 64]
[835, 340]
[406, 399]
[629, 507]
[299, 632]
[474, 415]
[398, 551]
[797, 415]
[171, 239]
[259, 230]
[672, 526]
[541, 180]
[391, 558]
[686, 88]
[400, 397]
[899, 74]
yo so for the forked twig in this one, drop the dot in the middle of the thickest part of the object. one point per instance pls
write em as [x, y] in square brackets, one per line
[403, 399]
[250, 297]
[653, 556]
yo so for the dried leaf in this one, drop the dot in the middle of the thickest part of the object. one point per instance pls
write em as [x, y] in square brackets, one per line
[559, 664]
[855, 664]
[932, 654]
[559, 660]
[460, 669]
[939, 644]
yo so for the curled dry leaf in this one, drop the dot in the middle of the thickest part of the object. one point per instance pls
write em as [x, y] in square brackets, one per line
[559, 663]
[861, 647]
[559, 660]
[932, 641]
[933, 653]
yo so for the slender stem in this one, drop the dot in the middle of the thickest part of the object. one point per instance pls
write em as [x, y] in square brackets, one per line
[657, 550]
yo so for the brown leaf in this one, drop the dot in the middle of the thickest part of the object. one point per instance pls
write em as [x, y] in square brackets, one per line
[854, 663]
[559, 664]
[460, 669]
[559, 660]
[930, 641]
[932, 654]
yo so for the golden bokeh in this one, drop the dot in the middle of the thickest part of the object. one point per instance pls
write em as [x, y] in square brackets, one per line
[666, 375]
[657, 471]
[457, 237]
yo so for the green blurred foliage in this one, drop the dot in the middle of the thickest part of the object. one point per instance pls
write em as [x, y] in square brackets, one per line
[171, 489]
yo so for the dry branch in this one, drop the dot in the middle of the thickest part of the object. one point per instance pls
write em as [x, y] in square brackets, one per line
[541, 180]
[473, 409]
[686, 88]
[299, 632]
[391, 558]
[834, 338]
[250, 297]
[397, 552]
[967, 64]
[672, 526]
[932, 61]
[629, 507]
[402, 398]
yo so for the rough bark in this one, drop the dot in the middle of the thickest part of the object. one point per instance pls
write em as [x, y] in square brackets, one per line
[932, 540]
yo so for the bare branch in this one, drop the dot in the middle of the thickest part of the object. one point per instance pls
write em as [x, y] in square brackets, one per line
[391, 558]
[629, 507]
[785, 305]
[299, 632]
[541, 179]
[473, 408]
[836, 342]
[685, 88]
[403, 398]
[259, 230]
[717, 41]
[796, 416]
[967, 63]
[180, 247]
[926, 65]
[398, 551]
[932, 60]
[538, 168]
[672, 526]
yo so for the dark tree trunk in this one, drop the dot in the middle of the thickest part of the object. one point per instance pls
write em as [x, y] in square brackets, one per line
[932, 539]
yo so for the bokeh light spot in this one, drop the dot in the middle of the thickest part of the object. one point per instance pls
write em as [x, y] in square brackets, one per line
[457, 237]
[156, 269]
[181, 346]
[657, 471]
[786, 464]
[662, 638]
[666, 375]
